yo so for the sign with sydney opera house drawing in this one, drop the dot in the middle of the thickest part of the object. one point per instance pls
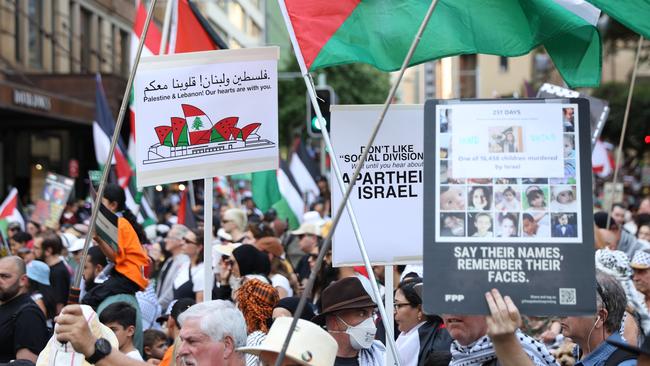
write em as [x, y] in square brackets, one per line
[204, 114]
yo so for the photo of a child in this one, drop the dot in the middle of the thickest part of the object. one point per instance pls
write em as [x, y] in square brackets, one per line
[564, 225]
[535, 198]
[563, 198]
[481, 225]
[480, 198]
[452, 224]
[508, 225]
[507, 199]
[505, 139]
[452, 198]
[568, 119]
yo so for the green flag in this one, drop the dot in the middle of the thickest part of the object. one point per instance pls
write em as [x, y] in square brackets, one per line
[380, 32]
[266, 194]
[631, 13]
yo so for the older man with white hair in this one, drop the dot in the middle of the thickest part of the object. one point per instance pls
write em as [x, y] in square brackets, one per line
[210, 334]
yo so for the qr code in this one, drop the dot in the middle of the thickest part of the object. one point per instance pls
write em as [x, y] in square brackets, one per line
[567, 296]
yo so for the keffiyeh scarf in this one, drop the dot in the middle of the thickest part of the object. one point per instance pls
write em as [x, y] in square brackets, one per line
[482, 351]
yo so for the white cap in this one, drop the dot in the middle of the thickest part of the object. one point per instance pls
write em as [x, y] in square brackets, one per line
[77, 245]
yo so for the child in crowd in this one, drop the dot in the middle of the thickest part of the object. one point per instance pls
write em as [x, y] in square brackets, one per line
[130, 258]
[155, 344]
[120, 318]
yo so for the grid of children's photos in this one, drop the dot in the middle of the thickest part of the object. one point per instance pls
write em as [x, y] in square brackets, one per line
[509, 207]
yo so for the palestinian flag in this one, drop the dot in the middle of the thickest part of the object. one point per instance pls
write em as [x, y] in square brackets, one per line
[267, 194]
[185, 215]
[631, 13]
[10, 212]
[380, 33]
[103, 129]
[304, 169]
[190, 31]
[290, 190]
[199, 124]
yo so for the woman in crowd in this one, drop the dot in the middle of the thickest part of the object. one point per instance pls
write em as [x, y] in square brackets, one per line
[281, 275]
[189, 282]
[256, 301]
[234, 222]
[420, 334]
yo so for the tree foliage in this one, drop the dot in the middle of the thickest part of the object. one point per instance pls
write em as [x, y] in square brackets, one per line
[353, 84]
[638, 125]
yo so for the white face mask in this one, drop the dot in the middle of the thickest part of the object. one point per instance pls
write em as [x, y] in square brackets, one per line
[361, 335]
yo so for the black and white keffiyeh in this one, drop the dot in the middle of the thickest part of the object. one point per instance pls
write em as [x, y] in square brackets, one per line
[482, 351]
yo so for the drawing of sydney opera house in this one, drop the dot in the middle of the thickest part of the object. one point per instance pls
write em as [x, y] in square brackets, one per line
[194, 135]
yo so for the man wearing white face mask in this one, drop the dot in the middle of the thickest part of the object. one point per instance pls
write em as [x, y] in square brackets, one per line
[348, 311]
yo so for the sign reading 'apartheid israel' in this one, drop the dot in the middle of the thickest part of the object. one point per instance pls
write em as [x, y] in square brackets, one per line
[508, 205]
[387, 197]
[205, 114]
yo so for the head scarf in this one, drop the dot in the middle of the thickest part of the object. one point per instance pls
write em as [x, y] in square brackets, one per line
[291, 304]
[256, 301]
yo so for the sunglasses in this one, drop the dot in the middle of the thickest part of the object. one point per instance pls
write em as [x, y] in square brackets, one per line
[189, 241]
[313, 256]
[226, 259]
[399, 305]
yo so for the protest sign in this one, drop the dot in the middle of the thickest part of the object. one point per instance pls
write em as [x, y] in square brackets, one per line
[598, 108]
[107, 227]
[206, 114]
[388, 194]
[53, 200]
[508, 205]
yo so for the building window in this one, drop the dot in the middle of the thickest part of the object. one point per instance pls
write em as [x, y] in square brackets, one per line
[467, 76]
[237, 17]
[18, 14]
[254, 30]
[125, 47]
[86, 19]
[503, 64]
[35, 38]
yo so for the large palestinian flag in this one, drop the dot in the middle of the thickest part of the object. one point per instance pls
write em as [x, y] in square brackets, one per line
[380, 33]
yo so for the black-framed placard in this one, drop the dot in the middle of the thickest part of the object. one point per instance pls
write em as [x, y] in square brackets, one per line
[508, 205]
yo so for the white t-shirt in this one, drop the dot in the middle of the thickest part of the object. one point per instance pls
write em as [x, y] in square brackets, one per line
[135, 355]
[183, 276]
[278, 280]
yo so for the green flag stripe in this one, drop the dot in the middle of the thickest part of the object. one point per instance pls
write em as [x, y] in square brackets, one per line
[380, 32]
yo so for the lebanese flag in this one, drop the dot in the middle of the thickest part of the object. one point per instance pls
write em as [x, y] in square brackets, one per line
[10, 212]
[198, 123]
[602, 162]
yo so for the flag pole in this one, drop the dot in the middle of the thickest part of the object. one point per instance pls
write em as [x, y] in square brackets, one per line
[75, 290]
[208, 276]
[619, 150]
[166, 26]
[346, 204]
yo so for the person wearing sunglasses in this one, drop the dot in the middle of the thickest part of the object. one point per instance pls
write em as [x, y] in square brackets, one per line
[420, 334]
[189, 279]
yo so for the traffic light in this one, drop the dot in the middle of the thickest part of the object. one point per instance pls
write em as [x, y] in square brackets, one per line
[326, 97]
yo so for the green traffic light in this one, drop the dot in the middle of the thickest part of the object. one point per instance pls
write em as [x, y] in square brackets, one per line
[315, 124]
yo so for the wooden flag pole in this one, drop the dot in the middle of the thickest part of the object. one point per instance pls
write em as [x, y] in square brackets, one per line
[619, 150]
[75, 290]
[345, 203]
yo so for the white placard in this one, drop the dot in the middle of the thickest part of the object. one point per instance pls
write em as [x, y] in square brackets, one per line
[505, 141]
[205, 114]
[387, 198]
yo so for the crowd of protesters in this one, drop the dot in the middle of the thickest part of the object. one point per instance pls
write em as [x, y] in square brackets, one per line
[144, 300]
